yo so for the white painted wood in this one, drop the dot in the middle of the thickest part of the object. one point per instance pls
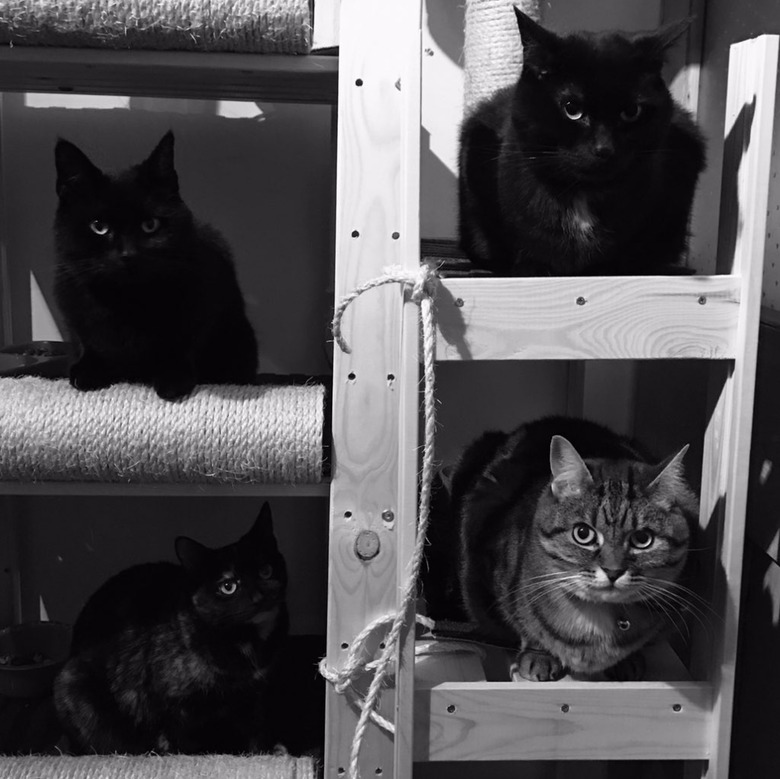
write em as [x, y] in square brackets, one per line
[639, 317]
[366, 426]
[562, 721]
[749, 132]
[181, 74]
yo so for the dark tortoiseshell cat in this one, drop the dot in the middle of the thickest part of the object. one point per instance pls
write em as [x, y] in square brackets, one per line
[180, 658]
[148, 293]
[585, 166]
[568, 543]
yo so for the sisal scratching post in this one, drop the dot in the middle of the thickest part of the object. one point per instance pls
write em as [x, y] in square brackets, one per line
[221, 434]
[158, 767]
[492, 52]
[257, 26]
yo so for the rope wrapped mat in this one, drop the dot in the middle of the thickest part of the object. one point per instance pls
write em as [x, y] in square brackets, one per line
[258, 26]
[158, 767]
[221, 434]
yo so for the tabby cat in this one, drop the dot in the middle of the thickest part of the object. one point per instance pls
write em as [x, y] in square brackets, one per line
[180, 658]
[585, 166]
[567, 543]
[148, 293]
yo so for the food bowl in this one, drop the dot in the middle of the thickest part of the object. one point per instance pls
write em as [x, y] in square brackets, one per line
[31, 654]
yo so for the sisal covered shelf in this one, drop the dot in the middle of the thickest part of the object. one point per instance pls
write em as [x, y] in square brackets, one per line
[257, 26]
[125, 434]
[158, 767]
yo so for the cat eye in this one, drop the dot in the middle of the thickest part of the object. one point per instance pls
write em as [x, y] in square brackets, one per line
[631, 114]
[228, 586]
[641, 539]
[99, 227]
[583, 534]
[150, 225]
[266, 571]
[573, 110]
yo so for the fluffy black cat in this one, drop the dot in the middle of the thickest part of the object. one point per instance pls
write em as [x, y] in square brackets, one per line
[585, 166]
[180, 658]
[148, 293]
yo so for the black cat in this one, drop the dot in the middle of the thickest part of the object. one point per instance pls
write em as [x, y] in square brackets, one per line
[180, 658]
[148, 293]
[585, 166]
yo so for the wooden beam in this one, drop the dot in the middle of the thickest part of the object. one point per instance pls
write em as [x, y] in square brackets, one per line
[639, 317]
[276, 78]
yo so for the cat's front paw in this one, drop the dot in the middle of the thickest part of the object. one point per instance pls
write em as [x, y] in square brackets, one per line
[85, 376]
[174, 387]
[536, 666]
[629, 669]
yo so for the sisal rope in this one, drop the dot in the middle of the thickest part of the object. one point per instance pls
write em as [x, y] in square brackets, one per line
[422, 284]
[492, 50]
[232, 434]
[259, 26]
[158, 767]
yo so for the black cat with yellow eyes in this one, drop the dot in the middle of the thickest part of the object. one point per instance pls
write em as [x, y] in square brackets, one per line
[181, 658]
[148, 293]
[585, 166]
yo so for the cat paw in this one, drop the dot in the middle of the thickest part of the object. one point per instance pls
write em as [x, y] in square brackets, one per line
[174, 387]
[85, 378]
[536, 666]
[629, 669]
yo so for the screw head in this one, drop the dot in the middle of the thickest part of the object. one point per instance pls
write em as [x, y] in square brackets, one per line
[702, 300]
[459, 302]
[451, 709]
[565, 708]
[387, 515]
[677, 707]
[581, 301]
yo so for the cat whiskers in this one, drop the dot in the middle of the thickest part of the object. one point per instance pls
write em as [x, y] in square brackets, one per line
[684, 601]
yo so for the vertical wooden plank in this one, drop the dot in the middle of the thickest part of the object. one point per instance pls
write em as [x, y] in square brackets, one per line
[365, 485]
[406, 522]
[5, 275]
[741, 245]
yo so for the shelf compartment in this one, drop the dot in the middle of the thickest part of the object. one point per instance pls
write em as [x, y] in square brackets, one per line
[563, 720]
[587, 318]
[178, 74]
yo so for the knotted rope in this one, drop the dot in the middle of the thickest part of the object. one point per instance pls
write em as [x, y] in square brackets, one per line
[422, 283]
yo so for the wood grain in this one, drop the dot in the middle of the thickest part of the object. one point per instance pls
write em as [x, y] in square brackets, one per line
[161, 490]
[274, 78]
[639, 317]
[367, 429]
[563, 721]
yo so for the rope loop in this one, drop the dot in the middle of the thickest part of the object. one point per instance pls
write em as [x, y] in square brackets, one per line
[422, 284]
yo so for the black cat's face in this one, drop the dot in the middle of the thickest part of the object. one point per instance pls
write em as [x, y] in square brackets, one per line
[239, 584]
[590, 109]
[115, 223]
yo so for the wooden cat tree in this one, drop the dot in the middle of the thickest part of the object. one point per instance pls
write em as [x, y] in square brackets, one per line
[685, 712]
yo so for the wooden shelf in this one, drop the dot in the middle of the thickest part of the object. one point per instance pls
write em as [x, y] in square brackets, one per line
[624, 317]
[563, 721]
[182, 74]
[65, 488]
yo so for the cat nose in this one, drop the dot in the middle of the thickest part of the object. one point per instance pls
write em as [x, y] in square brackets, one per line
[613, 574]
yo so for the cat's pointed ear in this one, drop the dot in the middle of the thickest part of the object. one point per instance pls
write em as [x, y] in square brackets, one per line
[668, 478]
[192, 555]
[539, 45]
[159, 164]
[262, 532]
[571, 476]
[73, 166]
[653, 46]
